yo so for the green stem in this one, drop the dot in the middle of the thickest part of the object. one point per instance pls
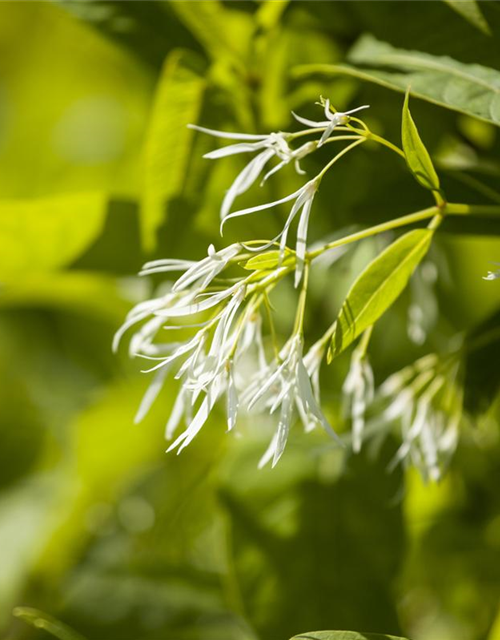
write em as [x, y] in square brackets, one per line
[338, 156]
[411, 218]
[472, 209]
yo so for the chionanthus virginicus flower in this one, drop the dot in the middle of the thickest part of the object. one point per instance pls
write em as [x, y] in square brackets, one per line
[269, 146]
[358, 391]
[492, 275]
[286, 384]
[303, 203]
[332, 121]
[209, 364]
[426, 399]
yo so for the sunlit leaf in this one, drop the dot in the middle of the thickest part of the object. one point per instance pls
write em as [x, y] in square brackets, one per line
[417, 156]
[471, 11]
[378, 286]
[268, 260]
[344, 635]
[469, 88]
[41, 620]
[68, 224]
[168, 144]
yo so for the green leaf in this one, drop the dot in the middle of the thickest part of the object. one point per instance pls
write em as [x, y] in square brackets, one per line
[47, 233]
[43, 621]
[168, 143]
[469, 9]
[378, 286]
[344, 635]
[468, 88]
[268, 260]
[417, 156]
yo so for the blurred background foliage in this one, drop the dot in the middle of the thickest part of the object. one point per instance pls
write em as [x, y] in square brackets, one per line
[98, 172]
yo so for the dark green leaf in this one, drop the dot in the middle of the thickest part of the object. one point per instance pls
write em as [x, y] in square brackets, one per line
[470, 10]
[417, 156]
[378, 286]
[469, 88]
[168, 144]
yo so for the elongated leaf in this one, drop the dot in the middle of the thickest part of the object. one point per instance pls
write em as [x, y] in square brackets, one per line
[344, 635]
[417, 156]
[43, 621]
[470, 10]
[168, 143]
[47, 233]
[378, 286]
[268, 260]
[469, 88]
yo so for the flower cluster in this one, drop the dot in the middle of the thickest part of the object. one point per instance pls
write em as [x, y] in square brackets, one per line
[426, 400]
[206, 363]
[224, 352]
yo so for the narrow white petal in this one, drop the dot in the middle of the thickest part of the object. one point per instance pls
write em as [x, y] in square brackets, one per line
[264, 388]
[126, 325]
[245, 180]
[232, 149]
[269, 453]
[283, 428]
[151, 394]
[328, 114]
[310, 123]
[261, 207]
[365, 106]
[199, 420]
[175, 415]
[227, 134]
[208, 303]
[327, 133]
[308, 398]
[300, 248]
[232, 402]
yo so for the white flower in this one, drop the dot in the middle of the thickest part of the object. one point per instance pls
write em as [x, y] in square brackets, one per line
[197, 274]
[332, 120]
[358, 390]
[427, 402]
[303, 202]
[270, 145]
[286, 384]
[492, 275]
